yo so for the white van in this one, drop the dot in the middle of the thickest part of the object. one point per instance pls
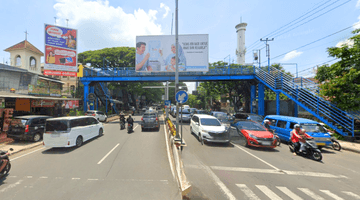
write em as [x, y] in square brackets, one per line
[71, 131]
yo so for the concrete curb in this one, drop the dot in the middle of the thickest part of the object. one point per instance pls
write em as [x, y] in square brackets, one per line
[26, 148]
[350, 149]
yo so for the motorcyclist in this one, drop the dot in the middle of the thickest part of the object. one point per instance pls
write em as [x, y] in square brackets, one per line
[122, 118]
[267, 124]
[130, 120]
[298, 137]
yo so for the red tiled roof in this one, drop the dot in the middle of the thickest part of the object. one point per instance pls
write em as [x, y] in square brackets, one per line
[24, 45]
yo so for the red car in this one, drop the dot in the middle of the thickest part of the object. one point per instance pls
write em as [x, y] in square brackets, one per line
[250, 133]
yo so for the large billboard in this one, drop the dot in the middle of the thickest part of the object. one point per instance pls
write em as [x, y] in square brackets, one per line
[157, 53]
[60, 48]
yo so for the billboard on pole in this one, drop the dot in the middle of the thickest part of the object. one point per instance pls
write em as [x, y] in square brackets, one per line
[157, 53]
[60, 48]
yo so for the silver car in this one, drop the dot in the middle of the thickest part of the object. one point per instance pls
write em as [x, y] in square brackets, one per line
[185, 115]
[150, 120]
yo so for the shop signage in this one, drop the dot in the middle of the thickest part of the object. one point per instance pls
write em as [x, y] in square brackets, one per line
[69, 104]
[42, 103]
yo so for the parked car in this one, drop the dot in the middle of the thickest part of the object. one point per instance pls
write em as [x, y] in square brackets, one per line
[185, 115]
[200, 112]
[221, 116]
[29, 127]
[150, 120]
[249, 116]
[283, 125]
[250, 133]
[71, 131]
[209, 129]
[99, 115]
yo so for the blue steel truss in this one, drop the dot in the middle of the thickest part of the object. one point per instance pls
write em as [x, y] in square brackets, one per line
[302, 91]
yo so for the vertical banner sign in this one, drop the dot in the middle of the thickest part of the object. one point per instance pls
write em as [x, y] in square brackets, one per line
[60, 48]
[157, 53]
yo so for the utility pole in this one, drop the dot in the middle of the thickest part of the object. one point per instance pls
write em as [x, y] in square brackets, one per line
[267, 50]
[177, 66]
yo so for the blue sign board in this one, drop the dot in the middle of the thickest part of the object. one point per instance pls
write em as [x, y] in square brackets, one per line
[181, 96]
[167, 103]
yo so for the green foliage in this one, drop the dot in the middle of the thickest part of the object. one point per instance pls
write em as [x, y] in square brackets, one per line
[74, 112]
[340, 82]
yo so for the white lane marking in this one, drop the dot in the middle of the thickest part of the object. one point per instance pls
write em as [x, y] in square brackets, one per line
[334, 196]
[43, 177]
[351, 194]
[59, 178]
[95, 179]
[268, 192]
[27, 154]
[75, 178]
[136, 127]
[12, 176]
[314, 174]
[28, 176]
[11, 186]
[222, 186]
[256, 157]
[107, 154]
[311, 194]
[289, 193]
[240, 169]
[167, 149]
[249, 194]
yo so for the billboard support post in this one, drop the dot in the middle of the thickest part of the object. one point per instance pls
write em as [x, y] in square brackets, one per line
[177, 66]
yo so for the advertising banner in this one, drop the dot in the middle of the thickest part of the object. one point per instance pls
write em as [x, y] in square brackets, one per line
[60, 59]
[157, 53]
[60, 48]
[69, 104]
[59, 73]
[42, 103]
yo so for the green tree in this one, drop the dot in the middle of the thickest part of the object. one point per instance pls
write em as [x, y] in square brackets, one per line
[340, 82]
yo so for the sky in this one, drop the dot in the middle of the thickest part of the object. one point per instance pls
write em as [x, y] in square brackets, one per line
[302, 30]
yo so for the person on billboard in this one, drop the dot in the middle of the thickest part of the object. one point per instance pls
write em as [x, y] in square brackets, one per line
[51, 58]
[70, 38]
[171, 67]
[142, 61]
[181, 55]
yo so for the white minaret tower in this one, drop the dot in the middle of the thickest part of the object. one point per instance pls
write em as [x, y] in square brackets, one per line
[240, 50]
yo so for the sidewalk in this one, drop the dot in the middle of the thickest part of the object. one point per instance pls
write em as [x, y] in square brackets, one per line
[24, 145]
[350, 146]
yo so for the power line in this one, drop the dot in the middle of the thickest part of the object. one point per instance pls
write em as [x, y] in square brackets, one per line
[317, 65]
[316, 40]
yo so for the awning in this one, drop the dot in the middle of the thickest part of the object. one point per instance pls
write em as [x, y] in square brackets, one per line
[23, 96]
[48, 79]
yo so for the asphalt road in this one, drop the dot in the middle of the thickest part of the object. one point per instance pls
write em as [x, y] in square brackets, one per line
[116, 165]
[218, 171]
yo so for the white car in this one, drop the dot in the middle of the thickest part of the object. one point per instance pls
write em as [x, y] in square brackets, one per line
[99, 115]
[209, 129]
[71, 131]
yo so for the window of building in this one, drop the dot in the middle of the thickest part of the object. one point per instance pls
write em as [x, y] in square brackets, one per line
[32, 64]
[18, 61]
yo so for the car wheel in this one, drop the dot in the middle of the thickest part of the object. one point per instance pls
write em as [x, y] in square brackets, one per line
[79, 141]
[201, 139]
[37, 137]
[243, 140]
[101, 131]
[191, 131]
[105, 119]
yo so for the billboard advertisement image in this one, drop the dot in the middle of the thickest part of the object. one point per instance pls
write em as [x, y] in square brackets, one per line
[60, 48]
[157, 53]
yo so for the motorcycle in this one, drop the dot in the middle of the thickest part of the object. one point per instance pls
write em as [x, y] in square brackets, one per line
[130, 128]
[311, 150]
[335, 144]
[4, 163]
[122, 125]
[278, 141]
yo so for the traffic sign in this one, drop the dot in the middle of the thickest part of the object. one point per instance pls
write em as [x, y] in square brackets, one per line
[91, 97]
[167, 103]
[181, 96]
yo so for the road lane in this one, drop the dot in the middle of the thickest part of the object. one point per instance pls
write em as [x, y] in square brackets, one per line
[137, 169]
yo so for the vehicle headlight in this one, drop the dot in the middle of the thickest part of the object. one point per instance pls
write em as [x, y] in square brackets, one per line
[205, 131]
[253, 136]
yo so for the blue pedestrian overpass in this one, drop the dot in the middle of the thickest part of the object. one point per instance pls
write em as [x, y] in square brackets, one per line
[302, 91]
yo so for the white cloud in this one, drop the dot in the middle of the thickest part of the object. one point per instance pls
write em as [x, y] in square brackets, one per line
[357, 24]
[101, 25]
[291, 55]
[358, 4]
[345, 42]
[167, 9]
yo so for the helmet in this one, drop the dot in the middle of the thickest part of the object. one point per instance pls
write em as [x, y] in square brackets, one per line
[129, 115]
[296, 126]
[266, 121]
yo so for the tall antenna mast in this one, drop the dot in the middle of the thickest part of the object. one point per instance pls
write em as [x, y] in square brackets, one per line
[67, 22]
[55, 20]
[172, 22]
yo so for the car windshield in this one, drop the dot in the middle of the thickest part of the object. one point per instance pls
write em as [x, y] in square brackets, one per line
[210, 122]
[256, 118]
[89, 112]
[201, 112]
[314, 128]
[185, 112]
[57, 125]
[149, 115]
[252, 126]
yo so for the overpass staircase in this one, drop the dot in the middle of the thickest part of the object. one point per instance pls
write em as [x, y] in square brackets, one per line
[102, 92]
[306, 94]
